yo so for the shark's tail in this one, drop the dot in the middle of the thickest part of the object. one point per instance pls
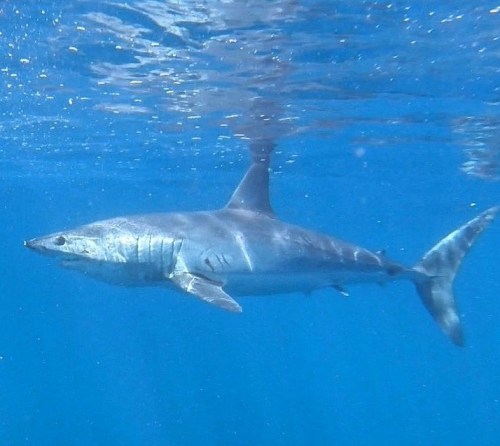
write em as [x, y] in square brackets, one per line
[438, 268]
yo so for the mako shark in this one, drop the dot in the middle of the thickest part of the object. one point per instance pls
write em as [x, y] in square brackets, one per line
[243, 249]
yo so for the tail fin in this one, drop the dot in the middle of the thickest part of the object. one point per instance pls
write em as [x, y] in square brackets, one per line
[439, 267]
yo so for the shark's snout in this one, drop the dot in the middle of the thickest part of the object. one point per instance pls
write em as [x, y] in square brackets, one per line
[31, 244]
[36, 245]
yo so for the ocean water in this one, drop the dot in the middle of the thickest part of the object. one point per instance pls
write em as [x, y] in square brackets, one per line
[386, 121]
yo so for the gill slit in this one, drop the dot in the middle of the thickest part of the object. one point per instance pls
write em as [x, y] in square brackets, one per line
[161, 256]
[150, 247]
[137, 248]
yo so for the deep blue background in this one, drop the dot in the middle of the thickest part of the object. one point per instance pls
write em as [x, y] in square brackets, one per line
[375, 108]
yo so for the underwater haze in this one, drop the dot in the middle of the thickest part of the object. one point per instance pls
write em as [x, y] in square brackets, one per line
[386, 121]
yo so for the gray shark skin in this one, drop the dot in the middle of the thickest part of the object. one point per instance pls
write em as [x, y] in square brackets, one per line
[243, 249]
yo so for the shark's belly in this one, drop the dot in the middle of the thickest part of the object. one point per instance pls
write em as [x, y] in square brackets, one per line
[266, 284]
[305, 282]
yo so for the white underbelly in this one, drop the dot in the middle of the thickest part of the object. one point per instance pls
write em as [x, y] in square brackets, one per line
[261, 284]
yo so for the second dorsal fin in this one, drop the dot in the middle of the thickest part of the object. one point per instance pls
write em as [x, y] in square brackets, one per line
[252, 194]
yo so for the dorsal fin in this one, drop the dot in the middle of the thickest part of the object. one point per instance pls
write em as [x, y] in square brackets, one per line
[252, 194]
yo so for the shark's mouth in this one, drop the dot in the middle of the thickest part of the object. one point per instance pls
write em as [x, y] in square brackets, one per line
[71, 262]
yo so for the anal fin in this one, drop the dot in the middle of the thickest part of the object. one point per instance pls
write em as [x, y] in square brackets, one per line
[205, 290]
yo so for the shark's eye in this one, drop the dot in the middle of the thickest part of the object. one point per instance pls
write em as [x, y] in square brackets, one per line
[59, 241]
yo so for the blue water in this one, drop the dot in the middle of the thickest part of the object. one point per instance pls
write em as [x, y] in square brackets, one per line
[387, 124]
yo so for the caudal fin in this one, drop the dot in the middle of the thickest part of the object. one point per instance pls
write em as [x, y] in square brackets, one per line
[438, 268]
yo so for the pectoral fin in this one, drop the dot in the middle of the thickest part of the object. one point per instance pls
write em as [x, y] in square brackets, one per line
[206, 290]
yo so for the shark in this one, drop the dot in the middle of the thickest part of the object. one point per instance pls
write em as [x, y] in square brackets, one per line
[243, 249]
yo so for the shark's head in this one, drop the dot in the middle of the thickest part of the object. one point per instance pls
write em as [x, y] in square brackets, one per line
[91, 248]
[120, 250]
[86, 243]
